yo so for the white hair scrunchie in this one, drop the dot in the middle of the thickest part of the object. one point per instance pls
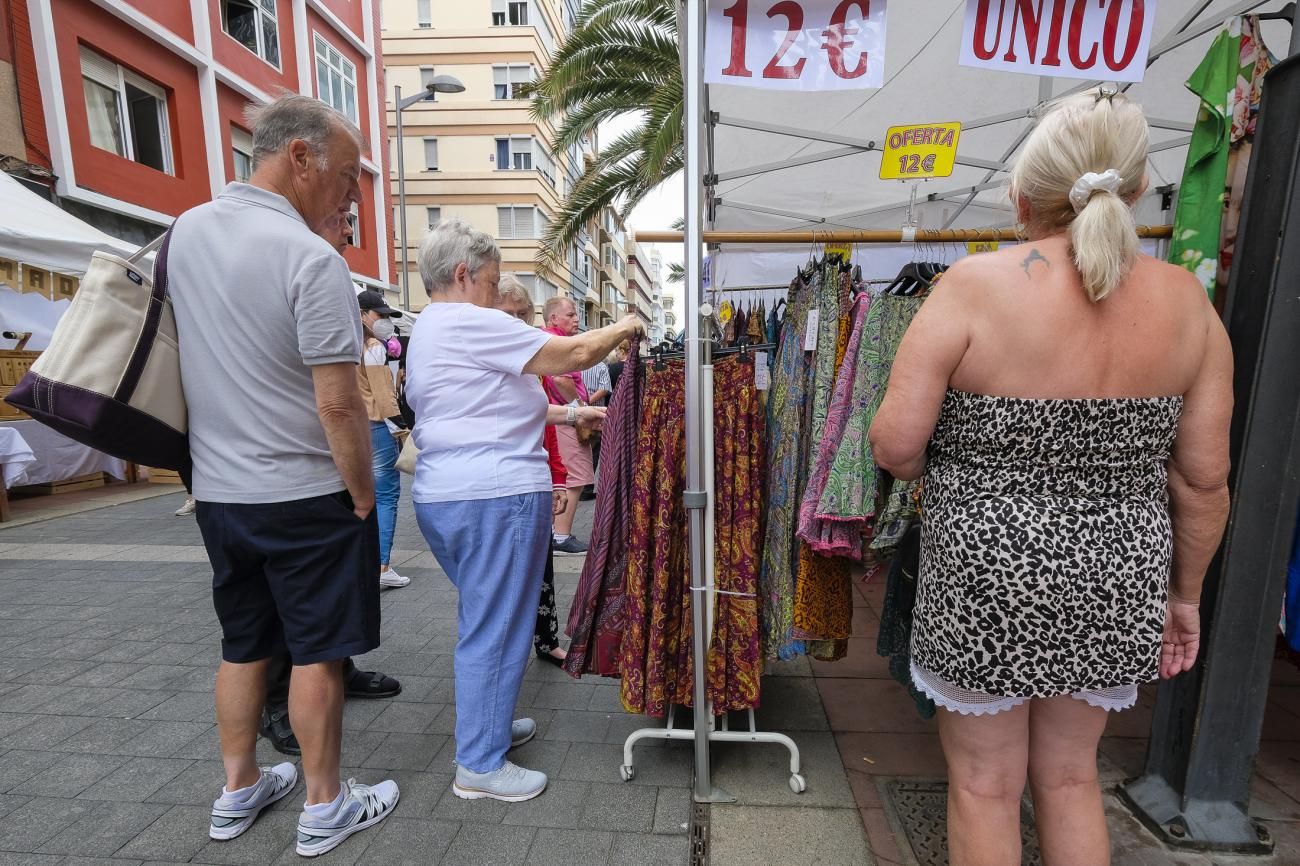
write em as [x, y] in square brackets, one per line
[1108, 181]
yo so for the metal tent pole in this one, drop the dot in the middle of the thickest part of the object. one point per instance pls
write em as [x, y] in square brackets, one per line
[696, 497]
[1195, 790]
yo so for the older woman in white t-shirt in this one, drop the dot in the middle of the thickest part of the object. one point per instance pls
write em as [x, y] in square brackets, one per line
[483, 487]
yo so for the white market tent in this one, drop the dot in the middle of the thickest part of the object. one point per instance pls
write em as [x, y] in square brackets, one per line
[799, 161]
[769, 161]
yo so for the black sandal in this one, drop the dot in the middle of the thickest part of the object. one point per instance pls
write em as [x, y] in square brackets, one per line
[371, 684]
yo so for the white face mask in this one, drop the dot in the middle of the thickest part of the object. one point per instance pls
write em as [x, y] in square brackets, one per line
[382, 328]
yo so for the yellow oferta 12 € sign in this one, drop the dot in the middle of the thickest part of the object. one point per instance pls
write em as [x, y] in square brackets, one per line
[920, 151]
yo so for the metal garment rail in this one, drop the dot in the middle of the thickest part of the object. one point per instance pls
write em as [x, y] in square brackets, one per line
[863, 236]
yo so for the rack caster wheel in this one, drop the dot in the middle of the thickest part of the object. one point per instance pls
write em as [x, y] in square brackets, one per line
[798, 783]
[627, 772]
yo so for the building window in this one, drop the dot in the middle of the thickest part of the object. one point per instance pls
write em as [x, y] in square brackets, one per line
[426, 78]
[336, 79]
[354, 220]
[241, 146]
[252, 23]
[514, 154]
[434, 215]
[542, 160]
[127, 114]
[506, 80]
[510, 12]
[424, 15]
[431, 154]
[520, 222]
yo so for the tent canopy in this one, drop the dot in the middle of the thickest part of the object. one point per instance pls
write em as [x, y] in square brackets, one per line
[757, 144]
[37, 232]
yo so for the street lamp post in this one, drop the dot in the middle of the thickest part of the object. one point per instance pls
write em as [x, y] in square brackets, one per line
[440, 84]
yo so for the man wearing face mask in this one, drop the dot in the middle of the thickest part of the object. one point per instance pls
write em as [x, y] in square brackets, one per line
[386, 425]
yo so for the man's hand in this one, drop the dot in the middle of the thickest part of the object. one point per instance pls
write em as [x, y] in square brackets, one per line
[559, 502]
[362, 509]
[631, 326]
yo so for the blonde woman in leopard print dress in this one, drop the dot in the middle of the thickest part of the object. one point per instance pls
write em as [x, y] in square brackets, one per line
[1068, 403]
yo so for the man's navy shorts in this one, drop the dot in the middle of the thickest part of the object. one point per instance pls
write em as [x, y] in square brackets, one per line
[301, 576]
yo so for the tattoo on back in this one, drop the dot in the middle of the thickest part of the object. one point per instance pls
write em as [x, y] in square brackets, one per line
[1034, 257]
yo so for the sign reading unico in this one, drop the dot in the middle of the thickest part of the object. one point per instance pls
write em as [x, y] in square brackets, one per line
[1104, 39]
[921, 151]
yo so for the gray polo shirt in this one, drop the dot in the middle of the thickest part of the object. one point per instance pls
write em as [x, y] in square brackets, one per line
[259, 300]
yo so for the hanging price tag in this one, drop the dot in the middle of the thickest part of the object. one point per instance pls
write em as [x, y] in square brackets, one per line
[796, 44]
[974, 247]
[810, 335]
[915, 152]
[762, 375]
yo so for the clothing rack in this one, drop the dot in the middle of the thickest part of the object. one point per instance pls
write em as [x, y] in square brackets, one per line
[865, 236]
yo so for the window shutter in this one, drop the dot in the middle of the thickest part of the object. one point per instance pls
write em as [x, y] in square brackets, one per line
[505, 222]
[425, 13]
[524, 222]
[434, 215]
[99, 69]
[431, 153]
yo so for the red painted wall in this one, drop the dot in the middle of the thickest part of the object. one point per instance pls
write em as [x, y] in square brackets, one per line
[29, 86]
[365, 259]
[79, 21]
[172, 14]
[247, 65]
[381, 87]
[351, 14]
[230, 108]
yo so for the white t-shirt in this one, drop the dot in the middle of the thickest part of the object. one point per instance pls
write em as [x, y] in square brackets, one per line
[478, 417]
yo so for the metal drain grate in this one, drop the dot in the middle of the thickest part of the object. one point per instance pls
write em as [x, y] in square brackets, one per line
[699, 834]
[920, 810]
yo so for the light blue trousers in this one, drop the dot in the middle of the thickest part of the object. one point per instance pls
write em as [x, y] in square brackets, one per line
[493, 551]
[388, 485]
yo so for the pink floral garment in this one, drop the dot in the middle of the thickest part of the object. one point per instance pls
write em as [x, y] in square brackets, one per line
[826, 536]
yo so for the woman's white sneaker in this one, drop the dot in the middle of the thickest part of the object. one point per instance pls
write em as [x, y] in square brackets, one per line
[231, 815]
[391, 579]
[363, 806]
[510, 783]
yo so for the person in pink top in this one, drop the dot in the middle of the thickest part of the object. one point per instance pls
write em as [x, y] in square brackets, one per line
[560, 316]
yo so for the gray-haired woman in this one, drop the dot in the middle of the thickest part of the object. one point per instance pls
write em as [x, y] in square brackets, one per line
[482, 486]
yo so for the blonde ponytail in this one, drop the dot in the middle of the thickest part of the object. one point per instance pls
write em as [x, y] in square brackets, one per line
[1104, 243]
[1098, 139]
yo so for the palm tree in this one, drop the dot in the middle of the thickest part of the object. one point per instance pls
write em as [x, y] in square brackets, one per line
[621, 58]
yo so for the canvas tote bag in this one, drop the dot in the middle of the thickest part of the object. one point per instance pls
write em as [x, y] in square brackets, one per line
[111, 377]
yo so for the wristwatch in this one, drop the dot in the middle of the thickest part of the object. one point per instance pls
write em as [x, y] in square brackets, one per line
[571, 416]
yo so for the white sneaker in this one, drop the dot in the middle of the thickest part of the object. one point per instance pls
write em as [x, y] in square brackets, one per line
[521, 731]
[188, 508]
[510, 783]
[230, 818]
[364, 806]
[392, 579]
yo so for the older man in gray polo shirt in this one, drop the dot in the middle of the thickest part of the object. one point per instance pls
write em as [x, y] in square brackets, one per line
[270, 338]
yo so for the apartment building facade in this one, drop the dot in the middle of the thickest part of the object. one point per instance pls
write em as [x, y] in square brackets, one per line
[132, 111]
[478, 155]
[641, 289]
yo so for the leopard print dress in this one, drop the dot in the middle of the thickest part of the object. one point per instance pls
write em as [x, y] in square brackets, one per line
[1046, 545]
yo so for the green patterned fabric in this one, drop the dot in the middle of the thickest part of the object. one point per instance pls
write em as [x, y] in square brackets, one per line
[1199, 218]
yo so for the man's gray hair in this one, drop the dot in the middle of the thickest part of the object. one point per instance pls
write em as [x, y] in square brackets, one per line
[293, 116]
[451, 243]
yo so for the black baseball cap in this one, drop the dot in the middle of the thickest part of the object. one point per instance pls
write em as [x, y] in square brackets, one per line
[371, 300]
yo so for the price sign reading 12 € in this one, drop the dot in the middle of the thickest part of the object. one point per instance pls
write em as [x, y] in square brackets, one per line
[796, 44]
[917, 152]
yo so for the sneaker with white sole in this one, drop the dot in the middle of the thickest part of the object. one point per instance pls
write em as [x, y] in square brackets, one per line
[392, 579]
[521, 731]
[570, 546]
[510, 783]
[364, 806]
[188, 508]
[231, 817]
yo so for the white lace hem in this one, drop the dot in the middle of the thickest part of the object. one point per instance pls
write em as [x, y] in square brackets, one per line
[971, 703]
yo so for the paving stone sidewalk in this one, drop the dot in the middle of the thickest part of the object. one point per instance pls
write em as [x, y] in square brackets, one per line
[109, 752]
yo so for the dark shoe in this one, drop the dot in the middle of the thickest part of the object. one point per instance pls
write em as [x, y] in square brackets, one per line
[588, 494]
[275, 727]
[370, 684]
[549, 659]
[571, 546]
